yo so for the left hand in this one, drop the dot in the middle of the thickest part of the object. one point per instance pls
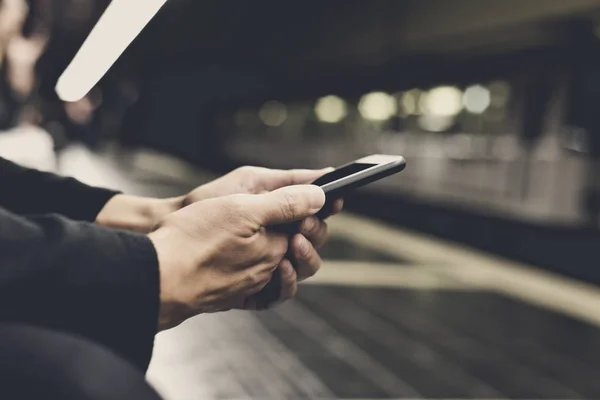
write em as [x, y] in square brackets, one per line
[253, 180]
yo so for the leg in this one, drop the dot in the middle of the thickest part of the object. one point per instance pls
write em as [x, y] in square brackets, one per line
[41, 364]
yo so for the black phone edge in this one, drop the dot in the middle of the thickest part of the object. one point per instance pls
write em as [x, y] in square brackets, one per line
[361, 179]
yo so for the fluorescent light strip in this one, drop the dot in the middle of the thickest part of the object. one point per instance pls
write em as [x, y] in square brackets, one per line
[120, 24]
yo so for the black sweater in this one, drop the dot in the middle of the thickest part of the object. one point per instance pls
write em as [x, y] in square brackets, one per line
[60, 270]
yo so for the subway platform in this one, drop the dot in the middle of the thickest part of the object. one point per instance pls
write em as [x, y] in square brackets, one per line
[392, 314]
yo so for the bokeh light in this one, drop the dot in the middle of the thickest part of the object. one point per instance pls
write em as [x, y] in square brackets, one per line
[377, 106]
[476, 99]
[331, 109]
[443, 101]
[273, 113]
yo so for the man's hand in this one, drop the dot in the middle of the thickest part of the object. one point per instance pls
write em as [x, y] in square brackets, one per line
[312, 234]
[141, 214]
[134, 213]
[303, 261]
[253, 180]
[217, 254]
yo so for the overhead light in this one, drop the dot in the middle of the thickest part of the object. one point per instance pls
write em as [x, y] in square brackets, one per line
[443, 101]
[273, 113]
[330, 109]
[409, 102]
[120, 24]
[476, 99]
[377, 106]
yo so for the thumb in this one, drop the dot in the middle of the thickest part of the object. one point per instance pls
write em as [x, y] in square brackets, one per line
[277, 178]
[288, 204]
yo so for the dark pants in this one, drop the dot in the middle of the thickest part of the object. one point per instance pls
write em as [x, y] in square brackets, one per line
[40, 364]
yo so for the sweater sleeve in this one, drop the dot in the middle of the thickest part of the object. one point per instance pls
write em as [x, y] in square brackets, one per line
[29, 191]
[80, 278]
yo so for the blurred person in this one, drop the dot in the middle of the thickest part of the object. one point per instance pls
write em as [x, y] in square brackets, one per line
[88, 276]
[23, 38]
[12, 15]
[21, 56]
[67, 23]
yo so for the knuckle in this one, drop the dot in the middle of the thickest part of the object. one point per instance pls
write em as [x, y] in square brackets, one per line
[233, 202]
[254, 246]
[231, 211]
[289, 207]
[278, 253]
[237, 204]
[254, 279]
[252, 243]
[310, 225]
[282, 246]
[245, 171]
[274, 251]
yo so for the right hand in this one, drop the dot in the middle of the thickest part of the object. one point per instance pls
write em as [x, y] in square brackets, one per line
[216, 254]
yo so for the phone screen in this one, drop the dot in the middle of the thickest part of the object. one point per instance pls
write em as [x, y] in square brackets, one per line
[341, 173]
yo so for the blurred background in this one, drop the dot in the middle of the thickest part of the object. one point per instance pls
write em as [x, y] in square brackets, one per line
[472, 274]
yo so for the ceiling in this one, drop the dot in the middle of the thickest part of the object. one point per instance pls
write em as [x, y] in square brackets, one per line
[314, 35]
[298, 41]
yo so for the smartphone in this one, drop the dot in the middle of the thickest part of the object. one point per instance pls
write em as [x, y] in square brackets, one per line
[358, 173]
[336, 184]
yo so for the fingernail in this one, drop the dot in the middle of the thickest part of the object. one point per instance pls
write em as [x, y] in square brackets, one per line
[340, 205]
[304, 249]
[309, 224]
[317, 198]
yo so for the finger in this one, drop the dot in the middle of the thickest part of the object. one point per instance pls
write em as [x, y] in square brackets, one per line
[337, 207]
[276, 178]
[306, 259]
[267, 296]
[286, 287]
[289, 280]
[276, 246]
[265, 247]
[285, 205]
[331, 208]
[256, 278]
[315, 230]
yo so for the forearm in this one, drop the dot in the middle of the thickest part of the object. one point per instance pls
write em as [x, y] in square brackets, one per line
[81, 278]
[134, 213]
[25, 191]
